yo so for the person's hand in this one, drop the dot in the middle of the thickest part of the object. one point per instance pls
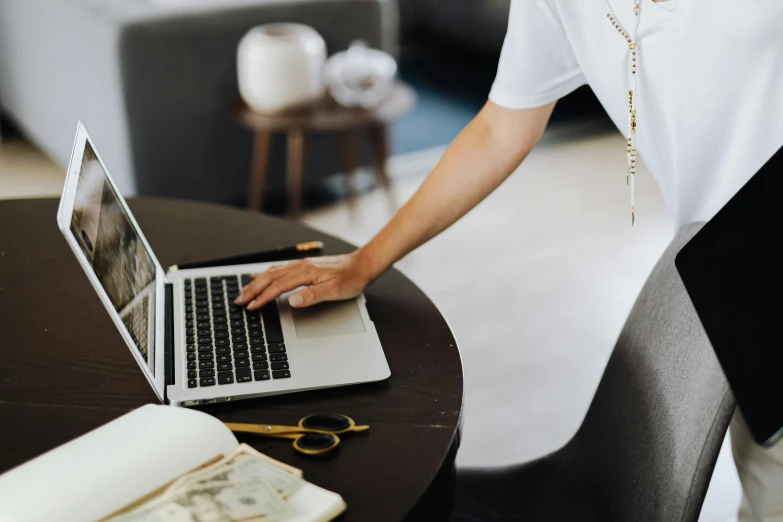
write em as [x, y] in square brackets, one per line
[328, 278]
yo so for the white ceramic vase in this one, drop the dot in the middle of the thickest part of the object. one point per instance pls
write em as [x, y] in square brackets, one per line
[280, 67]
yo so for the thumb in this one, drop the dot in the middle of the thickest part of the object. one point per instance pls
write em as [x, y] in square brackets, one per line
[312, 295]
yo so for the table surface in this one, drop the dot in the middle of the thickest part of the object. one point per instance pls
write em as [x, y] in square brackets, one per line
[65, 369]
[327, 115]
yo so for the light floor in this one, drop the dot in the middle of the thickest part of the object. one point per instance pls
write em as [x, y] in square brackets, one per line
[536, 283]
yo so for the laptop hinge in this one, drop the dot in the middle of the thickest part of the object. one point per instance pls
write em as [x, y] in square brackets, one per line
[168, 342]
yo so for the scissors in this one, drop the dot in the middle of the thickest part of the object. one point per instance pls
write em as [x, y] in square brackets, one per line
[314, 435]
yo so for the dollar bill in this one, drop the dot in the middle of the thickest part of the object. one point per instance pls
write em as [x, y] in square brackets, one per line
[226, 501]
[243, 487]
[244, 466]
[214, 502]
[244, 448]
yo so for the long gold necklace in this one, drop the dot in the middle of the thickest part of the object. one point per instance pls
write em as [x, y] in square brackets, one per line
[630, 150]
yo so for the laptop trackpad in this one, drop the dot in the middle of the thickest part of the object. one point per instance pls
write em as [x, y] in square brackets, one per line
[327, 319]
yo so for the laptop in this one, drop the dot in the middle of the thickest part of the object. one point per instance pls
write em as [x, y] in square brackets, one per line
[191, 342]
[733, 272]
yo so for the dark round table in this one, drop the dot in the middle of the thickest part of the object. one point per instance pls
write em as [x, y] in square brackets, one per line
[65, 369]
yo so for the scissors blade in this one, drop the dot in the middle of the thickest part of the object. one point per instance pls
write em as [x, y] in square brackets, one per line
[263, 429]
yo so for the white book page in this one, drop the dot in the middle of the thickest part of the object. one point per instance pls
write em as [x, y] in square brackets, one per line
[112, 466]
[314, 504]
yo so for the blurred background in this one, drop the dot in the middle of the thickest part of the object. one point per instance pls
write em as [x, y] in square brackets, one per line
[536, 282]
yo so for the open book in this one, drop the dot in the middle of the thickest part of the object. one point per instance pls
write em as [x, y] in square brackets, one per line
[150, 454]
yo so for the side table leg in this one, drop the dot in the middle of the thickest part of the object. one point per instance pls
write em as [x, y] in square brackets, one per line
[294, 167]
[379, 143]
[255, 192]
[350, 160]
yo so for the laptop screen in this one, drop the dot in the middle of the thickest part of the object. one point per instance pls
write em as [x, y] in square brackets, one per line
[118, 257]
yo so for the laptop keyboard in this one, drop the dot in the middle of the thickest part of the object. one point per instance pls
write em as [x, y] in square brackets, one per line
[226, 343]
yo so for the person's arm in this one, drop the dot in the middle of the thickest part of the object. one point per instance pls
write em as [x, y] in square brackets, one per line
[484, 154]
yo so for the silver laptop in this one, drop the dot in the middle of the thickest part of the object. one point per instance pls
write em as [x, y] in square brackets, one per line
[192, 343]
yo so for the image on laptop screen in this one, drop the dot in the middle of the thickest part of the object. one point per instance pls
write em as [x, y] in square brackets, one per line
[117, 255]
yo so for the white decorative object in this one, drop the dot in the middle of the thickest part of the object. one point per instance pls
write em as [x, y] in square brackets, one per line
[280, 66]
[360, 76]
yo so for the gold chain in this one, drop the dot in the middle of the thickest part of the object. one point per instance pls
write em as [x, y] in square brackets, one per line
[630, 149]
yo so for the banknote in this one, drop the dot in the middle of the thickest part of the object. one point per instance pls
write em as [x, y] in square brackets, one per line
[216, 501]
[244, 448]
[243, 487]
[244, 466]
[226, 501]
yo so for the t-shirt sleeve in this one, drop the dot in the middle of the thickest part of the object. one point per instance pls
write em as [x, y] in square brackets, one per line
[537, 64]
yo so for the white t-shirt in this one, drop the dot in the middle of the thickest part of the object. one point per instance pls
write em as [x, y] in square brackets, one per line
[709, 87]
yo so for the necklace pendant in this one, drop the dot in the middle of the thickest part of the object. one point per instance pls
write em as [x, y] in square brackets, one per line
[636, 8]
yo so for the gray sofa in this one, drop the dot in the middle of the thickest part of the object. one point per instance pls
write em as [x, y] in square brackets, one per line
[476, 23]
[151, 80]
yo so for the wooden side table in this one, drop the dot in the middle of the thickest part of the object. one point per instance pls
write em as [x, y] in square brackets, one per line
[325, 116]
